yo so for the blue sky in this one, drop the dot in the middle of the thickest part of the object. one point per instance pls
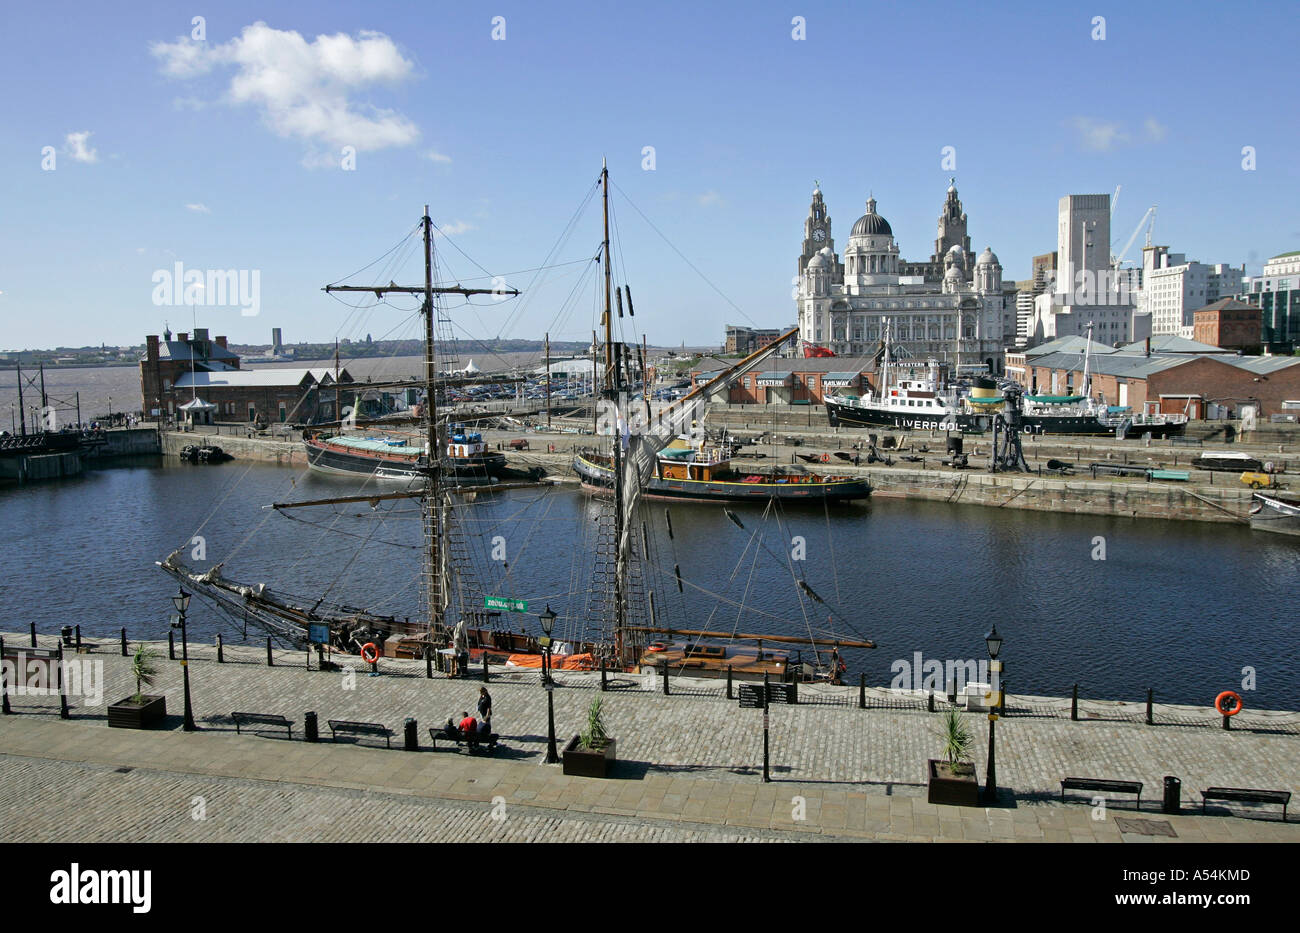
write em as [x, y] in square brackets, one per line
[225, 153]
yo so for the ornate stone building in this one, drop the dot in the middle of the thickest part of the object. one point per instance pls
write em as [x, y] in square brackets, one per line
[950, 308]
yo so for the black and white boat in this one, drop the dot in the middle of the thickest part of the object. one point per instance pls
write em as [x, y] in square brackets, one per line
[1276, 513]
[918, 403]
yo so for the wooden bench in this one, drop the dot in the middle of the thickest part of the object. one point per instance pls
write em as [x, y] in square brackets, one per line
[472, 741]
[262, 719]
[1247, 795]
[359, 728]
[1105, 786]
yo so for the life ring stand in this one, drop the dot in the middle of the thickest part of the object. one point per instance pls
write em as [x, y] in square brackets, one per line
[1218, 703]
[369, 653]
[826, 458]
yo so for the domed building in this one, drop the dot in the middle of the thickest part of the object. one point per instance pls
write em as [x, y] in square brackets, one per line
[951, 308]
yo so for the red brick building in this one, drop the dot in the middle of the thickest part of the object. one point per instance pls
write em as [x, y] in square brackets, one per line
[1231, 324]
[174, 372]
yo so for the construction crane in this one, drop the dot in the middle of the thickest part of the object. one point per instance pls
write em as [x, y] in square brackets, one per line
[1117, 258]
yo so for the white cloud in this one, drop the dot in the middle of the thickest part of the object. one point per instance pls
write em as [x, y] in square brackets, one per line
[1097, 135]
[303, 89]
[198, 208]
[454, 228]
[1102, 136]
[708, 198]
[75, 146]
[434, 156]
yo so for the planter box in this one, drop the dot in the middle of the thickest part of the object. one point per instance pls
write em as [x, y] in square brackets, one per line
[127, 714]
[587, 762]
[960, 790]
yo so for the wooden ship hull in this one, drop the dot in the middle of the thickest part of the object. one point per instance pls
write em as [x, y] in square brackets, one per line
[597, 474]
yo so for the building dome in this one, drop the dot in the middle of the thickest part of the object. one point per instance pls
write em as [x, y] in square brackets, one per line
[952, 275]
[819, 261]
[871, 223]
[988, 258]
[956, 256]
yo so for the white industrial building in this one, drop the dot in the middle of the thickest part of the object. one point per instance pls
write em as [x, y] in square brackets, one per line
[1173, 288]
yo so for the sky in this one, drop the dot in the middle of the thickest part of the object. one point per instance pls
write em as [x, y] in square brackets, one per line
[133, 138]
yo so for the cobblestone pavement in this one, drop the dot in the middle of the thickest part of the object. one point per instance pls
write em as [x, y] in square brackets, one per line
[162, 806]
[682, 758]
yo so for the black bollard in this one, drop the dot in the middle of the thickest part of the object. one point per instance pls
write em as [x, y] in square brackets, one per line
[666, 692]
[123, 642]
[270, 661]
[78, 639]
[33, 628]
[604, 683]
[428, 662]
[63, 697]
[862, 691]
[309, 727]
[1150, 721]
[794, 693]
[4, 688]
[411, 728]
[1074, 704]
[929, 702]
[221, 650]
[485, 666]
[729, 696]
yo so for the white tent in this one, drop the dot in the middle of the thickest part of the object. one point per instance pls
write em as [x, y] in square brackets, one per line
[198, 411]
[470, 369]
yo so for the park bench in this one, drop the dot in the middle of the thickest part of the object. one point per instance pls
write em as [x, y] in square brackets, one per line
[359, 728]
[462, 739]
[261, 719]
[1247, 795]
[1105, 786]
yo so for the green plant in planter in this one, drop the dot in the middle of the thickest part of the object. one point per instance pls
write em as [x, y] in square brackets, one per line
[594, 737]
[143, 670]
[956, 742]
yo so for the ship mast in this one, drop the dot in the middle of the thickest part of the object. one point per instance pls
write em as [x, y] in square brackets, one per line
[612, 390]
[432, 505]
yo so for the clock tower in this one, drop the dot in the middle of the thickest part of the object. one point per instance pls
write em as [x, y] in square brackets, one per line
[816, 230]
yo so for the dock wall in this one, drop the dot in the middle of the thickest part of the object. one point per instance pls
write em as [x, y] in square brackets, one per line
[1086, 496]
[264, 450]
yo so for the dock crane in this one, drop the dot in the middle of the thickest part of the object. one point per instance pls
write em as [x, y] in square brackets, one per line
[1117, 258]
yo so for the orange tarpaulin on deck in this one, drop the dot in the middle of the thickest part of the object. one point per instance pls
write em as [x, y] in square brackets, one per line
[559, 662]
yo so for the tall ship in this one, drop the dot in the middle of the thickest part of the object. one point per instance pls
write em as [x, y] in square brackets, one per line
[609, 618]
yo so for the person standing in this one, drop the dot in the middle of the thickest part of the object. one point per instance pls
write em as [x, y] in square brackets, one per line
[485, 706]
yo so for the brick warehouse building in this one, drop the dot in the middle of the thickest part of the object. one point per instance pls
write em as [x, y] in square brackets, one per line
[1202, 386]
[790, 381]
[174, 372]
[1231, 324]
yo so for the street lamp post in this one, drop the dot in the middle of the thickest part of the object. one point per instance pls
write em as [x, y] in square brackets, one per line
[993, 641]
[548, 623]
[182, 602]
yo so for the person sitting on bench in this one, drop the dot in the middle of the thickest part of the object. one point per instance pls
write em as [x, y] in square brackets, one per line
[450, 730]
[469, 728]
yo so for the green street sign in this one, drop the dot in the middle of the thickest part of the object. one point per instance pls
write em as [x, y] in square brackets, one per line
[505, 603]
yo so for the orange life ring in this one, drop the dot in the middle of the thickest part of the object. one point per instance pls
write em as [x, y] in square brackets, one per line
[369, 653]
[826, 458]
[1218, 703]
[657, 646]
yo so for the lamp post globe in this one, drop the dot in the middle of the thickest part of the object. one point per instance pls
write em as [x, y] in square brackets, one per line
[993, 641]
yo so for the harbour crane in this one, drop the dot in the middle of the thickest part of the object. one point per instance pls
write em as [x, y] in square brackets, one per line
[1117, 258]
